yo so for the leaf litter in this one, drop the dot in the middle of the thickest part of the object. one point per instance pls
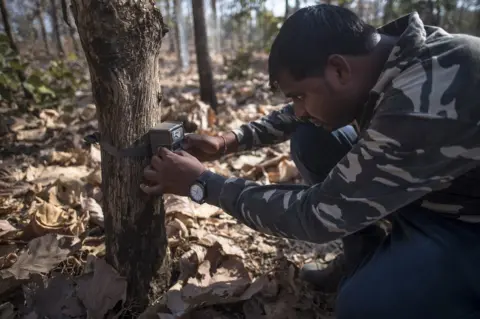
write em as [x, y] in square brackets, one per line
[52, 244]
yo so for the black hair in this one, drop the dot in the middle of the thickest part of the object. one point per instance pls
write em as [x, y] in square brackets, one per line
[309, 36]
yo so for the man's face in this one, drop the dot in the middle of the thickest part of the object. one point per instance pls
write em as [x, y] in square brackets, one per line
[331, 101]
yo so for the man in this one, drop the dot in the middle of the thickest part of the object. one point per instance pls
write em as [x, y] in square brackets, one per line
[412, 89]
[315, 151]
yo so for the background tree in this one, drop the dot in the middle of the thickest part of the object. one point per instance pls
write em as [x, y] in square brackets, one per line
[40, 5]
[181, 37]
[56, 27]
[204, 65]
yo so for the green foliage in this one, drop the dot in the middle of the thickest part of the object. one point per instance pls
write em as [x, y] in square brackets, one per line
[48, 85]
[270, 25]
[238, 67]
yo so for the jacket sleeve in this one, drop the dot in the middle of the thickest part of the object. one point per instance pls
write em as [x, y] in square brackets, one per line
[270, 129]
[404, 154]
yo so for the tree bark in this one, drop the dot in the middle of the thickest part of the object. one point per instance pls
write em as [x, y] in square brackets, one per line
[287, 10]
[56, 28]
[43, 30]
[204, 64]
[121, 41]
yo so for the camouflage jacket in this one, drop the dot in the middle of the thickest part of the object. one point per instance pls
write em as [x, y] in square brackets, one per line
[419, 144]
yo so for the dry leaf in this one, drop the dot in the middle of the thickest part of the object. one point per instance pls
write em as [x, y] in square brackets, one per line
[58, 299]
[91, 206]
[69, 190]
[95, 177]
[287, 171]
[245, 162]
[47, 218]
[100, 291]
[7, 311]
[46, 175]
[5, 227]
[205, 210]
[42, 255]
[33, 135]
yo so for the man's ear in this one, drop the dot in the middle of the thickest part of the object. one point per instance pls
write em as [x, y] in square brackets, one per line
[337, 70]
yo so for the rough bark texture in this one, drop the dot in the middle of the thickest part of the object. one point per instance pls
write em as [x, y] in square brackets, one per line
[204, 64]
[121, 40]
[56, 28]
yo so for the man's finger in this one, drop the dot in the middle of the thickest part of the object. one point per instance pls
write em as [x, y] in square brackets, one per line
[182, 153]
[152, 190]
[156, 162]
[151, 175]
[164, 152]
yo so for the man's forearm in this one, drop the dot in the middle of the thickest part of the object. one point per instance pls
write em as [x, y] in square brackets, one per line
[231, 143]
[271, 129]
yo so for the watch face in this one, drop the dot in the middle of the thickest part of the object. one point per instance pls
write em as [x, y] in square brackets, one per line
[196, 192]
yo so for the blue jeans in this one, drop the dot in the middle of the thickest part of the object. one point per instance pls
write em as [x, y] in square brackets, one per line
[427, 267]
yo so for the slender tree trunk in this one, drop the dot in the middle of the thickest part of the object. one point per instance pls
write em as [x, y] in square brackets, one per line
[181, 35]
[56, 28]
[13, 45]
[204, 65]
[125, 84]
[361, 9]
[171, 35]
[43, 30]
[297, 5]
[6, 25]
[216, 26]
[71, 28]
[388, 12]
[287, 10]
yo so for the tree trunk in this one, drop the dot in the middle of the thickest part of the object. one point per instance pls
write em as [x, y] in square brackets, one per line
[388, 12]
[204, 64]
[13, 45]
[287, 10]
[6, 25]
[216, 27]
[71, 28]
[181, 35]
[121, 41]
[171, 36]
[56, 28]
[43, 30]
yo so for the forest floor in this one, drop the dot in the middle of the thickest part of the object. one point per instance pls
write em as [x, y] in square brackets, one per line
[51, 219]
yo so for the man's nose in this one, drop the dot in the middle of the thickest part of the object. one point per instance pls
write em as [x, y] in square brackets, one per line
[299, 111]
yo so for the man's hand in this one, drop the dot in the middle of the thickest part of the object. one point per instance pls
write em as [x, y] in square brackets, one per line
[171, 172]
[209, 148]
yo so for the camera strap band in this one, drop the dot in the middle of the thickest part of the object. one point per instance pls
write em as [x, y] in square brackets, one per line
[135, 151]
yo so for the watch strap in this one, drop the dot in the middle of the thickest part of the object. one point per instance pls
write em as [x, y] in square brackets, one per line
[203, 178]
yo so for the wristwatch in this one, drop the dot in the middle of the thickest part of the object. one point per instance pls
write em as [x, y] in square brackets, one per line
[198, 190]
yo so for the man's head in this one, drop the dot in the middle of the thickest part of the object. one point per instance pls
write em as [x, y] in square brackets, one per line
[319, 59]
